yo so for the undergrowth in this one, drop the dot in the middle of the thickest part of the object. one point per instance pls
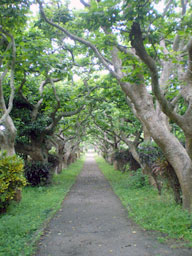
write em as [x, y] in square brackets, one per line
[148, 209]
[22, 224]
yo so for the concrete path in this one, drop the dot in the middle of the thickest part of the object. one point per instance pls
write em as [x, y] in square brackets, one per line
[92, 222]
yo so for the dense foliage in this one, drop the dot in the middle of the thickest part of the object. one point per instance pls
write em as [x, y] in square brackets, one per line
[38, 173]
[11, 178]
[126, 162]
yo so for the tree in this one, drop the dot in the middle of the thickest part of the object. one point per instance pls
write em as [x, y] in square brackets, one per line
[42, 118]
[137, 63]
[115, 120]
[8, 30]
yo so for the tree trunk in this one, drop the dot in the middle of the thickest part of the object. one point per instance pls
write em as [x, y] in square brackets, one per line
[147, 136]
[7, 136]
[36, 150]
[78, 153]
[66, 157]
[115, 164]
[177, 157]
[174, 152]
[70, 159]
[188, 145]
[39, 151]
[109, 159]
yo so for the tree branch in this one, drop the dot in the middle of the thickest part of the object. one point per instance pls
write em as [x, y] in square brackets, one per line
[85, 4]
[23, 96]
[137, 43]
[36, 109]
[10, 104]
[167, 7]
[129, 53]
[184, 6]
[58, 118]
[81, 40]
[47, 81]
[189, 70]
[55, 93]
[2, 100]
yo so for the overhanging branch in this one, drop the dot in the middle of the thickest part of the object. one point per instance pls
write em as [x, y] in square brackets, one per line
[79, 39]
[137, 43]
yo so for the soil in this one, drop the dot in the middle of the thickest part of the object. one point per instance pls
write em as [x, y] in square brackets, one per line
[93, 222]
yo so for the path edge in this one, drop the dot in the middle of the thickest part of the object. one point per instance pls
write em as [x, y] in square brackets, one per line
[41, 232]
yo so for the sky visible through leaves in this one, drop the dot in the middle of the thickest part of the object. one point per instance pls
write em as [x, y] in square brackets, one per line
[75, 4]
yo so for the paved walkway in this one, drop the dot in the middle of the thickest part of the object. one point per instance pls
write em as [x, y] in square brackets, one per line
[92, 222]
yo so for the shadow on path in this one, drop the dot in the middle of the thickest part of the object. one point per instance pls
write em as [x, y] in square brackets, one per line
[92, 222]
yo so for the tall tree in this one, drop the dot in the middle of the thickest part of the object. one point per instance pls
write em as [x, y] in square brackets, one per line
[136, 62]
[11, 22]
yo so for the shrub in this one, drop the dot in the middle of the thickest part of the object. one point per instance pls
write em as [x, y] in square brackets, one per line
[11, 178]
[163, 168]
[125, 158]
[160, 169]
[149, 153]
[38, 173]
[53, 160]
[138, 179]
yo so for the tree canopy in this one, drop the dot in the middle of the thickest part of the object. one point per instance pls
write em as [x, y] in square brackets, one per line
[115, 73]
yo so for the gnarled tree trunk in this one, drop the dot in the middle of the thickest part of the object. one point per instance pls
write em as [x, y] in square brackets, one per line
[37, 150]
[175, 153]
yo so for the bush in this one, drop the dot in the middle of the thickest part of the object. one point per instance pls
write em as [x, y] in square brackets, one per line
[125, 158]
[138, 179]
[11, 178]
[160, 169]
[53, 160]
[149, 153]
[38, 173]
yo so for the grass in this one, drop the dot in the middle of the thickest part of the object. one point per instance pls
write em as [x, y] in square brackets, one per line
[148, 209]
[23, 223]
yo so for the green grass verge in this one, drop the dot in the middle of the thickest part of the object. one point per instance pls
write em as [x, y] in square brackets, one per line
[23, 223]
[148, 209]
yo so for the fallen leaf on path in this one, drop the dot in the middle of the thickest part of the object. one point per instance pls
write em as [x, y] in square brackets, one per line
[134, 232]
